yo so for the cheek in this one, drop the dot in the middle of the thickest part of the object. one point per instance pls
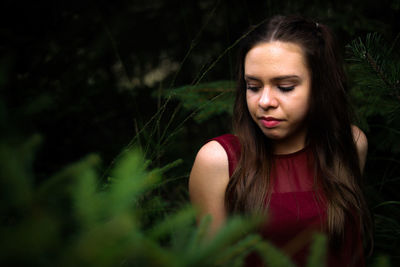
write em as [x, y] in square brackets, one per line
[249, 102]
[252, 106]
[297, 107]
[303, 109]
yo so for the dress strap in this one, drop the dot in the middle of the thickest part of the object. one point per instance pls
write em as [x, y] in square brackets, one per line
[231, 145]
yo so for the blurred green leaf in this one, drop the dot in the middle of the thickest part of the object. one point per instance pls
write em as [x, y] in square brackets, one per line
[206, 99]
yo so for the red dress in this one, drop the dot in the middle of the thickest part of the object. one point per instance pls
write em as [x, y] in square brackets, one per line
[294, 212]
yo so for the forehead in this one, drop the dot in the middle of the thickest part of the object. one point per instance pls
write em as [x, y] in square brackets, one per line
[272, 59]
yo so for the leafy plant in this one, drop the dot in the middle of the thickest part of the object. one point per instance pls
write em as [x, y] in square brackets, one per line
[374, 68]
[207, 99]
[73, 220]
[375, 71]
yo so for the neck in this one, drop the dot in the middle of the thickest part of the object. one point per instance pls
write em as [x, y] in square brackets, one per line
[289, 145]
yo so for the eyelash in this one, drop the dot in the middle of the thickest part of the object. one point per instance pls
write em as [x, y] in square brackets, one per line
[286, 89]
[281, 88]
[252, 88]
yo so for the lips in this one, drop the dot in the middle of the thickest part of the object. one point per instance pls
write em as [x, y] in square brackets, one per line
[270, 122]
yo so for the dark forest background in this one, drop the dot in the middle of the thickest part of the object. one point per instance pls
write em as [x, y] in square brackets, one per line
[104, 77]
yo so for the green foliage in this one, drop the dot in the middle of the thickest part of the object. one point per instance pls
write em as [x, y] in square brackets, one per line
[318, 251]
[272, 256]
[375, 71]
[71, 220]
[382, 261]
[206, 99]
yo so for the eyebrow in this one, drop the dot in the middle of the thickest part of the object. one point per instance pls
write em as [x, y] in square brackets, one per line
[275, 79]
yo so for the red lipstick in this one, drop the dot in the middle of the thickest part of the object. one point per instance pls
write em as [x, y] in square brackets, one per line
[270, 122]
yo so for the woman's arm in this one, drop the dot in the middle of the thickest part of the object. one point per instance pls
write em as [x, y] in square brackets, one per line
[208, 181]
[362, 145]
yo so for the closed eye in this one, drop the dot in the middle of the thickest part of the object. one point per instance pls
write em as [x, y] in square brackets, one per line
[252, 88]
[286, 88]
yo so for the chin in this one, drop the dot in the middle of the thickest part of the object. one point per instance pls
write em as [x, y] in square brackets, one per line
[273, 136]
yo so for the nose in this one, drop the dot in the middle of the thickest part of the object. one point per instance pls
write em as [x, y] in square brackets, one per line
[267, 98]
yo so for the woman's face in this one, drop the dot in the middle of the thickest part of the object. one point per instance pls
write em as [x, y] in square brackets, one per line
[278, 90]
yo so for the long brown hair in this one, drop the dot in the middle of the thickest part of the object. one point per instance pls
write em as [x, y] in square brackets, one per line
[336, 163]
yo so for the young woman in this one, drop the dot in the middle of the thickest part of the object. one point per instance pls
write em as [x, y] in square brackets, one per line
[295, 154]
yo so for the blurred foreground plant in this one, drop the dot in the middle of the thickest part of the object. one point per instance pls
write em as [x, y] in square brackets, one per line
[72, 220]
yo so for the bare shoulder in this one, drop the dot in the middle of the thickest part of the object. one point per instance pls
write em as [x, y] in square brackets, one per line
[210, 167]
[361, 142]
[213, 155]
[208, 181]
[360, 139]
